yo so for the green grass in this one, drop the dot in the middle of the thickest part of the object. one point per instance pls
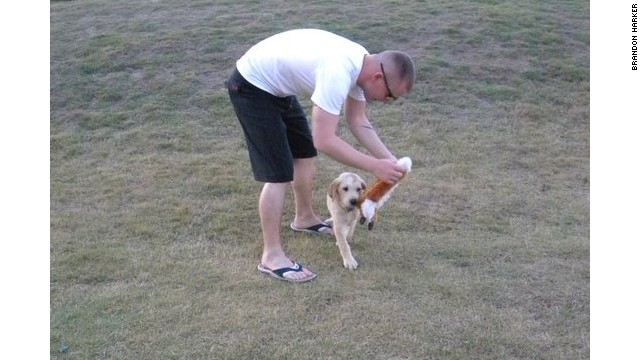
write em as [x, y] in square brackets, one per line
[482, 253]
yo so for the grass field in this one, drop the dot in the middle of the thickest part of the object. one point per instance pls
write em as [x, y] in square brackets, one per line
[482, 253]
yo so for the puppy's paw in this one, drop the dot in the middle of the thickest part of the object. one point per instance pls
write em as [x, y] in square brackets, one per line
[350, 263]
[329, 221]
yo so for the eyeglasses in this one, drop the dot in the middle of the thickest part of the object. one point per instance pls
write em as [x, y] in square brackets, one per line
[384, 77]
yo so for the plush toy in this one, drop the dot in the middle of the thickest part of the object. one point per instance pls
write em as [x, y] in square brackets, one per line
[377, 194]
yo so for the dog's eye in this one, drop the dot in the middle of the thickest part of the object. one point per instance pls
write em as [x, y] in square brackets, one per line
[346, 188]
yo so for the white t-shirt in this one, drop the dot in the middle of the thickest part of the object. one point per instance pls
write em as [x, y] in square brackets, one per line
[306, 62]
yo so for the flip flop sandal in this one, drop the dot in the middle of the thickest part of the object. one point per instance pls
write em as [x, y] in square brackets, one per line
[320, 229]
[282, 273]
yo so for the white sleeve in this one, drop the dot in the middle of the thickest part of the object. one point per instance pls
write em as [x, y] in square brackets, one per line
[333, 84]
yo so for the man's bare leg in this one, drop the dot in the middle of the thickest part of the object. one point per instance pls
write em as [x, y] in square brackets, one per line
[303, 182]
[271, 207]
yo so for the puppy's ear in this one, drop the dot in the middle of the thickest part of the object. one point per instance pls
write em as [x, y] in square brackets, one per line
[334, 189]
[364, 186]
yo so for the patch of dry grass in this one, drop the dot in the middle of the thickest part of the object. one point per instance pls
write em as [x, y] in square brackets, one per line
[483, 252]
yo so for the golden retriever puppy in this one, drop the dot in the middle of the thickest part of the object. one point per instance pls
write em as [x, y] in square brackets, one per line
[342, 202]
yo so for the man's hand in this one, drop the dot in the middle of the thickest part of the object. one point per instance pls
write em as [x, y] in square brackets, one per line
[387, 170]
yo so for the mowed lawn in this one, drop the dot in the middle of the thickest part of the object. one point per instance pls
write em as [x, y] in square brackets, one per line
[481, 253]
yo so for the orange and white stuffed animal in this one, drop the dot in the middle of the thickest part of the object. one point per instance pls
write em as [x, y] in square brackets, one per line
[377, 194]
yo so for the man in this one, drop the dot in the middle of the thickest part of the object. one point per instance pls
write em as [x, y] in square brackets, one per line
[336, 73]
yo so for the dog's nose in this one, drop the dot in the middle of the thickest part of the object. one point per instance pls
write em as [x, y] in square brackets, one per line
[353, 201]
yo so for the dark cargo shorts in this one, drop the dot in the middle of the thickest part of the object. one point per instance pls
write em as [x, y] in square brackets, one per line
[275, 128]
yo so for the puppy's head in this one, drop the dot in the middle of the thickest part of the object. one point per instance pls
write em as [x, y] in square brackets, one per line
[346, 190]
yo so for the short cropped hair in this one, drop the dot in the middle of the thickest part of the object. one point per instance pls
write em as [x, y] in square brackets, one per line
[402, 64]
